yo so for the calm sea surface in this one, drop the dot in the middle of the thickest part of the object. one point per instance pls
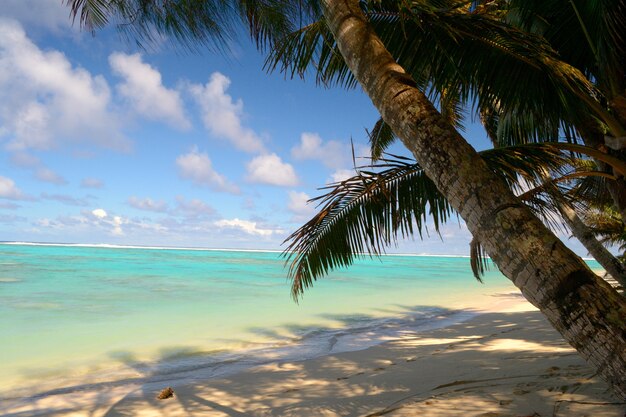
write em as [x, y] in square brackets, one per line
[72, 315]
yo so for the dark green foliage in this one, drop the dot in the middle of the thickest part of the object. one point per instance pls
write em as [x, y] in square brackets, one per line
[195, 23]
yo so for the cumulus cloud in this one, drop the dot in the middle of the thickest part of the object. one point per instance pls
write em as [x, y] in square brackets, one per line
[117, 226]
[245, 226]
[100, 218]
[197, 167]
[143, 88]
[222, 116]
[45, 100]
[91, 183]
[9, 190]
[147, 204]
[51, 14]
[331, 153]
[299, 206]
[270, 169]
[99, 213]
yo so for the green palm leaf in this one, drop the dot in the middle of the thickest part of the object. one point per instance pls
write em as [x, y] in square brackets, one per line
[372, 210]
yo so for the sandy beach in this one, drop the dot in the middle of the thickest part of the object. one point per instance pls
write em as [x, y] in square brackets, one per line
[501, 363]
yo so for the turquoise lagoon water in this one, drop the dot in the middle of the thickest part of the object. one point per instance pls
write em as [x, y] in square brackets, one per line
[71, 315]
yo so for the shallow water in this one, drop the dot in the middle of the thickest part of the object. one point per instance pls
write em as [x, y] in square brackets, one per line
[71, 315]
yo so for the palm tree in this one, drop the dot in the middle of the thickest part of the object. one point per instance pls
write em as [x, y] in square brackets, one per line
[589, 314]
[382, 136]
[476, 51]
[507, 121]
[549, 275]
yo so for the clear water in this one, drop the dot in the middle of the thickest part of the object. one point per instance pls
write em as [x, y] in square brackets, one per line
[72, 315]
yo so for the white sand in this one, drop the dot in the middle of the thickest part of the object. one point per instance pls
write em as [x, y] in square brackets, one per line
[507, 363]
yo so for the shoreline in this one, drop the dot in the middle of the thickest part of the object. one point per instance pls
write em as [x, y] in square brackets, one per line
[506, 360]
[200, 249]
[314, 343]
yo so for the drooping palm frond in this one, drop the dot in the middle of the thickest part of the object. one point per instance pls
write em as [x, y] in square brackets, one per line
[479, 261]
[362, 214]
[447, 48]
[370, 211]
[311, 48]
[193, 23]
[468, 52]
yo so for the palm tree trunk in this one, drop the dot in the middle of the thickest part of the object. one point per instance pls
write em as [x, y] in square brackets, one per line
[580, 230]
[589, 314]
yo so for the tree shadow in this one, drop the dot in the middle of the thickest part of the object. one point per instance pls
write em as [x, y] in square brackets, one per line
[501, 363]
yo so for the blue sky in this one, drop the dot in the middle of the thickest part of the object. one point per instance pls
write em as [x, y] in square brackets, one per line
[105, 143]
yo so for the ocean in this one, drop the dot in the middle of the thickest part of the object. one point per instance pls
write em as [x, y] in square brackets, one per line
[73, 315]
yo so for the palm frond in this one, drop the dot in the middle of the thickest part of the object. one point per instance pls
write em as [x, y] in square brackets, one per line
[380, 138]
[479, 261]
[311, 48]
[607, 225]
[532, 162]
[372, 210]
[588, 34]
[362, 214]
[194, 24]
[467, 52]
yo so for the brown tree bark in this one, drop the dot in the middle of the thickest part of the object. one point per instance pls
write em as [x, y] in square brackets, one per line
[589, 314]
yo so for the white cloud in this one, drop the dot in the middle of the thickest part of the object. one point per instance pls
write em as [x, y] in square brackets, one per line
[9, 190]
[100, 218]
[222, 116]
[91, 183]
[117, 226]
[270, 169]
[298, 205]
[52, 15]
[147, 204]
[99, 213]
[333, 154]
[44, 100]
[143, 88]
[342, 174]
[198, 168]
[245, 226]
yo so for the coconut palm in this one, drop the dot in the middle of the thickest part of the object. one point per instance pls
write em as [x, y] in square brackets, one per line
[586, 311]
[508, 120]
[454, 46]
